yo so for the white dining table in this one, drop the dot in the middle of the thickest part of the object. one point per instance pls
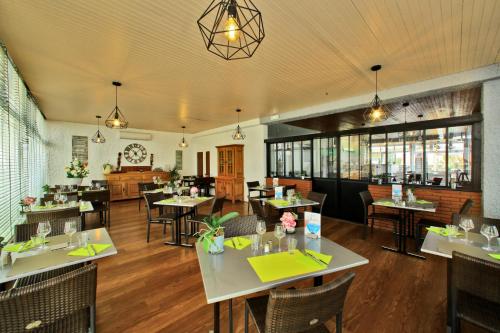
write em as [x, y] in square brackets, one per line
[85, 207]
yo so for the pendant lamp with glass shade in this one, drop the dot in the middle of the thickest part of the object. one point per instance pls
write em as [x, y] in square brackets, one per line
[238, 133]
[376, 113]
[116, 119]
[232, 29]
[183, 143]
[98, 137]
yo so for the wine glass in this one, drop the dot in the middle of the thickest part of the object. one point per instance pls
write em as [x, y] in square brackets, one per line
[43, 230]
[489, 231]
[467, 225]
[70, 230]
[98, 186]
[179, 191]
[64, 198]
[279, 233]
[56, 198]
[261, 230]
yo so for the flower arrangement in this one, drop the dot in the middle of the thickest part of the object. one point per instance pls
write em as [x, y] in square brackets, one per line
[212, 234]
[77, 169]
[288, 220]
[26, 202]
[193, 191]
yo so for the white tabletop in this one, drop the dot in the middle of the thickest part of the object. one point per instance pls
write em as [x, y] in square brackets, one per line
[443, 246]
[85, 206]
[431, 208]
[228, 275]
[183, 201]
[297, 204]
[34, 262]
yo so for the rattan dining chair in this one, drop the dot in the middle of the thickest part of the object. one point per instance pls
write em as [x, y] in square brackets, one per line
[24, 231]
[52, 215]
[240, 226]
[299, 310]
[475, 292]
[367, 200]
[145, 187]
[65, 303]
[164, 217]
[215, 208]
[101, 201]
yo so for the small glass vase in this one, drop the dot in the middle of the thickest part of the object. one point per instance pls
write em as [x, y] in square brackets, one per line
[290, 230]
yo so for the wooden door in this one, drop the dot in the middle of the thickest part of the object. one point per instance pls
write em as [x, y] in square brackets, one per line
[116, 190]
[207, 164]
[238, 162]
[132, 189]
[221, 162]
[199, 164]
[229, 162]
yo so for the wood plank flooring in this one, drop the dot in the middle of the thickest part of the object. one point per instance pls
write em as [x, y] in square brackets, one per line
[151, 287]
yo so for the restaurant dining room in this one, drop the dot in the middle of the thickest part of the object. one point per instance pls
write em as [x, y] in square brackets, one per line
[240, 166]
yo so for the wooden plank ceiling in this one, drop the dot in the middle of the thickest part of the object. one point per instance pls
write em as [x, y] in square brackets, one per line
[70, 51]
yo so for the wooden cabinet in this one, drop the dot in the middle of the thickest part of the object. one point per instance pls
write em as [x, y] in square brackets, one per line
[229, 180]
[126, 185]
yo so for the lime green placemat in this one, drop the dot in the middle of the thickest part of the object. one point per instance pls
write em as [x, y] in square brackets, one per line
[89, 251]
[282, 265]
[278, 202]
[441, 231]
[203, 198]
[240, 242]
[423, 202]
[171, 200]
[385, 203]
[495, 255]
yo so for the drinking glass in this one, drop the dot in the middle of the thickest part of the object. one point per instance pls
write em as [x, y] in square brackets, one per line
[98, 186]
[48, 203]
[179, 191]
[489, 231]
[255, 242]
[279, 233]
[70, 230]
[292, 244]
[261, 230]
[43, 230]
[56, 197]
[64, 198]
[467, 225]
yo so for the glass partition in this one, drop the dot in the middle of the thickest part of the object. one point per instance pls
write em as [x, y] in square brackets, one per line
[435, 156]
[306, 158]
[364, 156]
[344, 157]
[272, 160]
[354, 157]
[280, 160]
[332, 157]
[288, 159]
[378, 153]
[395, 158]
[317, 158]
[460, 155]
[297, 159]
[414, 158]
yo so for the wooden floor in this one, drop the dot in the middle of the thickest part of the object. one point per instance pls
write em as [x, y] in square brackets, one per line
[157, 288]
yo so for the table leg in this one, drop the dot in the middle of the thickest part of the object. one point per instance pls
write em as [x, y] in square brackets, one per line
[216, 317]
[407, 216]
[177, 240]
[230, 314]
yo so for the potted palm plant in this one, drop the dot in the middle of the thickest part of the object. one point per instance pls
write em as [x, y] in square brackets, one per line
[211, 236]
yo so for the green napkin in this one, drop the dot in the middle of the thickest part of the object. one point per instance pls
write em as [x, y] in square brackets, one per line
[240, 242]
[202, 198]
[89, 250]
[278, 202]
[283, 265]
[18, 247]
[386, 203]
[423, 202]
[171, 200]
[323, 257]
[495, 255]
[441, 231]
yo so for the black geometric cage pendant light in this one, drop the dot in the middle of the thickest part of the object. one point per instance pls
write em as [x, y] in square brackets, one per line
[116, 119]
[98, 137]
[238, 133]
[232, 29]
[376, 113]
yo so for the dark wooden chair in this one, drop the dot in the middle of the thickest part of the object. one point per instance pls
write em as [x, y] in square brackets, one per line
[101, 201]
[286, 188]
[318, 197]
[145, 187]
[250, 197]
[52, 215]
[367, 200]
[196, 219]
[163, 218]
[300, 310]
[65, 303]
[475, 292]
[258, 209]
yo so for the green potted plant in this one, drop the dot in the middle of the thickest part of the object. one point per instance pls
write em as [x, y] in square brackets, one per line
[46, 188]
[211, 236]
[174, 177]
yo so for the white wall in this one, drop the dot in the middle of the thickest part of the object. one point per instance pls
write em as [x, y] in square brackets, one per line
[254, 149]
[59, 134]
[491, 148]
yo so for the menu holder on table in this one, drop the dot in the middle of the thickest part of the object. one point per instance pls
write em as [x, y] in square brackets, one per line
[278, 192]
[312, 225]
[397, 192]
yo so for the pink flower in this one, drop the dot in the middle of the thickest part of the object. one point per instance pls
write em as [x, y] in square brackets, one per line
[193, 190]
[29, 200]
[288, 220]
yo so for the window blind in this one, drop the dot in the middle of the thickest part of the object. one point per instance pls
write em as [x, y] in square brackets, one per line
[22, 148]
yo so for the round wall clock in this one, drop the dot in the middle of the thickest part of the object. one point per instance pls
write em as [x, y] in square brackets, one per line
[135, 153]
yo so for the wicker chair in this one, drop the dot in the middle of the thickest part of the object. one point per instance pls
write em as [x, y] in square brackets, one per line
[301, 310]
[65, 303]
[475, 292]
[24, 231]
[101, 201]
[216, 208]
[52, 215]
[250, 197]
[367, 199]
[145, 187]
[240, 226]
[163, 218]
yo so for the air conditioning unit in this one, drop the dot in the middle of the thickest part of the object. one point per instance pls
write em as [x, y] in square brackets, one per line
[136, 136]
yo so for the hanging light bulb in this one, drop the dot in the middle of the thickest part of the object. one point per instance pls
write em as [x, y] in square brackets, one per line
[376, 112]
[183, 143]
[98, 137]
[116, 119]
[231, 26]
[238, 134]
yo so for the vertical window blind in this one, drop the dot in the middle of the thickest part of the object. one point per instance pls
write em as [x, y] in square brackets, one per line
[22, 147]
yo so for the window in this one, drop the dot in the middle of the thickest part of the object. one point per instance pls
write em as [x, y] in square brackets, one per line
[395, 158]
[378, 152]
[364, 156]
[297, 159]
[306, 158]
[435, 156]
[318, 167]
[22, 149]
[288, 160]
[344, 157]
[354, 157]
[272, 160]
[414, 157]
[460, 154]
[280, 163]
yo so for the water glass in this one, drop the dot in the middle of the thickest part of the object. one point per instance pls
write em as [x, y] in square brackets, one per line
[83, 239]
[292, 244]
[43, 230]
[254, 238]
[98, 186]
[489, 231]
[70, 230]
[467, 225]
[279, 232]
[261, 230]
[48, 203]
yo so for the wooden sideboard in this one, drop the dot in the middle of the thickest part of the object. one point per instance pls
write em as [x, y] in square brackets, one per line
[229, 180]
[125, 185]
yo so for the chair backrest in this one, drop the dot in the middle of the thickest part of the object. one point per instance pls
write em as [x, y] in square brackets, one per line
[102, 196]
[475, 276]
[46, 197]
[258, 209]
[103, 182]
[240, 226]
[150, 198]
[23, 232]
[300, 310]
[437, 180]
[318, 197]
[147, 186]
[60, 304]
[52, 215]
[466, 207]
[218, 205]
[286, 188]
[367, 200]
[252, 184]
[477, 220]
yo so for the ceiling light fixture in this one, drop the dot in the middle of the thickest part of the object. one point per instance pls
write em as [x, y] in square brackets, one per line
[230, 29]
[116, 119]
[376, 112]
[183, 143]
[238, 134]
[98, 137]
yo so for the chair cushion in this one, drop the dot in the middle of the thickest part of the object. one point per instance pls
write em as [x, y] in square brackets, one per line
[384, 216]
[431, 223]
[478, 311]
[257, 307]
